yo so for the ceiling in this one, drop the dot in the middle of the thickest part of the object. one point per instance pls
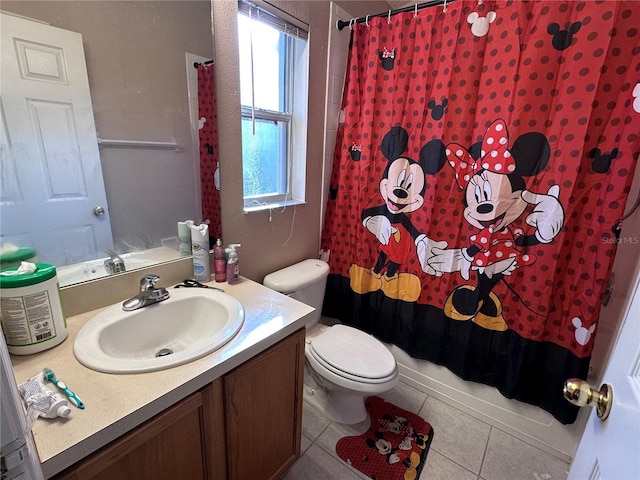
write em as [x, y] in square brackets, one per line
[400, 3]
[365, 7]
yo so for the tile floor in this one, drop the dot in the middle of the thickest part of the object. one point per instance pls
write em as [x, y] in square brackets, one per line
[463, 448]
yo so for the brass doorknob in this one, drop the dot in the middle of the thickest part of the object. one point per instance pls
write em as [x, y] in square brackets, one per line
[580, 393]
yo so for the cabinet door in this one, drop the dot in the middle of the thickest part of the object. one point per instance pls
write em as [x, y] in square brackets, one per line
[170, 446]
[263, 402]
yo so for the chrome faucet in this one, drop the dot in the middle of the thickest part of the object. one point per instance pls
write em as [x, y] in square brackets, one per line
[115, 264]
[149, 294]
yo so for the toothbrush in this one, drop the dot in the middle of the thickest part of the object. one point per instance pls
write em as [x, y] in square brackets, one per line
[49, 376]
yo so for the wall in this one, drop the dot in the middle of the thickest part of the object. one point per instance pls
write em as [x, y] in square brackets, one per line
[135, 54]
[270, 239]
[277, 238]
[263, 235]
[337, 67]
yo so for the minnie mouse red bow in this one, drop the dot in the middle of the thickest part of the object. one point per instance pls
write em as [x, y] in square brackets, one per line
[388, 53]
[494, 156]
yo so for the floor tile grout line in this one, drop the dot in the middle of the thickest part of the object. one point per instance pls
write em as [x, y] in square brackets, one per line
[434, 448]
[330, 449]
[486, 448]
[424, 402]
[329, 421]
[457, 463]
[335, 455]
[491, 428]
[442, 454]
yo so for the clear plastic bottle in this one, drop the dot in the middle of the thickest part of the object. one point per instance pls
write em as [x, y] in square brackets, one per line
[200, 247]
[219, 262]
[233, 266]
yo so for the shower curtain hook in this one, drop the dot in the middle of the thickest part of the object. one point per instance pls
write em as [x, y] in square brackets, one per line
[415, 11]
[389, 18]
[444, 8]
[366, 21]
[351, 23]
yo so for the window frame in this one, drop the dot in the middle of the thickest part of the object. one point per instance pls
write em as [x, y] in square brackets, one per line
[247, 113]
[293, 156]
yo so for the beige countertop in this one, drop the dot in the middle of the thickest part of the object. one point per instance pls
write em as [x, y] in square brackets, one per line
[116, 403]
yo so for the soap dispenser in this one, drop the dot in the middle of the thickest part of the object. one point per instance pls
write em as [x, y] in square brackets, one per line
[233, 266]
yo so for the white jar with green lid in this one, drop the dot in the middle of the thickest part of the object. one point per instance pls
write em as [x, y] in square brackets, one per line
[31, 311]
[12, 256]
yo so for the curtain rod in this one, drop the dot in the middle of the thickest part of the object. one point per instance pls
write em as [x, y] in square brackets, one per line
[340, 24]
[196, 64]
[102, 142]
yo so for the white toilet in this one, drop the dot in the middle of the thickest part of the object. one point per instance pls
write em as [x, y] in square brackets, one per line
[343, 364]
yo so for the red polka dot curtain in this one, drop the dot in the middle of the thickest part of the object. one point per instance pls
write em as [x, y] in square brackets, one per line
[478, 185]
[209, 165]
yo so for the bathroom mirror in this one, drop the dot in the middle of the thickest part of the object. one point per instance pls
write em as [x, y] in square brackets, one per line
[139, 62]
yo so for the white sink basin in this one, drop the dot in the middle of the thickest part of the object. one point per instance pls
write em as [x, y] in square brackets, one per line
[190, 324]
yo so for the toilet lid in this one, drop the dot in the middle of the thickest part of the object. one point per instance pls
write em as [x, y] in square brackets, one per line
[354, 352]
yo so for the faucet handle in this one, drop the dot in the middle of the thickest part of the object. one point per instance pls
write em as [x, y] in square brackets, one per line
[114, 264]
[148, 282]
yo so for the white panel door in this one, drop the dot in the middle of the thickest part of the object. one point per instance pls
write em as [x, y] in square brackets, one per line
[610, 449]
[51, 173]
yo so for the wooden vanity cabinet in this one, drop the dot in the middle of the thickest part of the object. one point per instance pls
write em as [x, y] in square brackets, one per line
[263, 411]
[246, 425]
[174, 444]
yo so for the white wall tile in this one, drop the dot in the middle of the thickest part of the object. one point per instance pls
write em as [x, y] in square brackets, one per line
[333, 114]
[330, 143]
[337, 64]
[336, 84]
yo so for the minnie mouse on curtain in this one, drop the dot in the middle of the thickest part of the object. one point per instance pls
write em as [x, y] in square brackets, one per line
[478, 184]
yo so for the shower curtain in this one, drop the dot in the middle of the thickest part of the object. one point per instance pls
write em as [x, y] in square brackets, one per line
[209, 165]
[478, 184]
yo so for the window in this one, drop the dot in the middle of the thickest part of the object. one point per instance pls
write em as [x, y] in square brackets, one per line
[273, 94]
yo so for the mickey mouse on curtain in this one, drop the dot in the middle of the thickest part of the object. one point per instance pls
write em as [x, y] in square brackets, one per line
[402, 189]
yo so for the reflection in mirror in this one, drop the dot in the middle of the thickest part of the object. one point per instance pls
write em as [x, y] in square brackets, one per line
[101, 124]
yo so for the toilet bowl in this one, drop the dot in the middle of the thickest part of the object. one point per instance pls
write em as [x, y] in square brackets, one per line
[347, 366]
[343, 365]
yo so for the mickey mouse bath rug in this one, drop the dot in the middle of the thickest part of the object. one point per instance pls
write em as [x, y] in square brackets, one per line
[395, 446]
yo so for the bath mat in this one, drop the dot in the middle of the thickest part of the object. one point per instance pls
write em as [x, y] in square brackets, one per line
[395, 446]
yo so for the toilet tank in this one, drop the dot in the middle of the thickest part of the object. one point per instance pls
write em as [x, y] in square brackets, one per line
[304, 281]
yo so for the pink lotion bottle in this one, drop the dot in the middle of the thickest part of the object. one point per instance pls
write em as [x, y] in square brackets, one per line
[219, 262]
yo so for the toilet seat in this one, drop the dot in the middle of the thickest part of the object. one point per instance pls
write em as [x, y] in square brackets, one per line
[353, 354]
